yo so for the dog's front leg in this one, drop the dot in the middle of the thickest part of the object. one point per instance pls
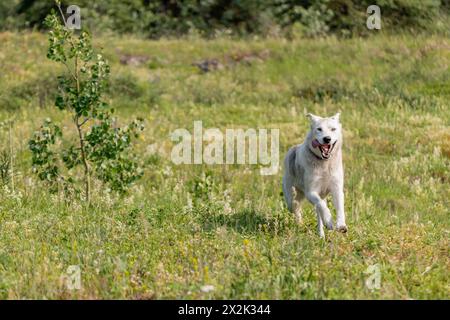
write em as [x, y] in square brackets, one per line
[320, 226]
[323, 213]
[337, 193]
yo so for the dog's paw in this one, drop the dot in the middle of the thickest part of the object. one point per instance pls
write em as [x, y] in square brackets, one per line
[329, 224]
[342, 228]
[325, 215]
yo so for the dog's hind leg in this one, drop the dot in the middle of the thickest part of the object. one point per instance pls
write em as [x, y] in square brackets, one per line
[297, 197]
[293, 197]
[287, 192]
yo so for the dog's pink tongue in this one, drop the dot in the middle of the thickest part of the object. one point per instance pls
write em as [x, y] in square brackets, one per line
[315, 143]
[326, 147]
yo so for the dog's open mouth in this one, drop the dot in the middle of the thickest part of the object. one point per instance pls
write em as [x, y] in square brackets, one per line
[325, 149]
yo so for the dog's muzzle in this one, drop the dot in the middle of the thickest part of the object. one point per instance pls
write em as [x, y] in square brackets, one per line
[325, 149]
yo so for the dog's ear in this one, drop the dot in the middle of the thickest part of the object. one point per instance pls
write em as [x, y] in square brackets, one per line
[336, 116]
[313, 118]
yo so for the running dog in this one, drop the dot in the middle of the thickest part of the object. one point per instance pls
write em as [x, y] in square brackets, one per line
[314, 169]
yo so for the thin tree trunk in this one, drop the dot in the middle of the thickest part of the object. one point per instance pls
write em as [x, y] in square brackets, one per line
[87, 173]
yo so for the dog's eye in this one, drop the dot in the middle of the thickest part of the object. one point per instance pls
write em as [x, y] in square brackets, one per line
[333, 129]
[319, 129]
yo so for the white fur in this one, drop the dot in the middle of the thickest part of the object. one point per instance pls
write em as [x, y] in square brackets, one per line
[308, 175]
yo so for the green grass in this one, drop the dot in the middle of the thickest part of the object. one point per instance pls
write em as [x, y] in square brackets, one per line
[183, 227]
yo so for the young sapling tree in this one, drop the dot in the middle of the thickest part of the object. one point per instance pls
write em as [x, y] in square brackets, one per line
[100, 147]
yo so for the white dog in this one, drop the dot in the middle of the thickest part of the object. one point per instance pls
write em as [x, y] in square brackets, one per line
[314, 169]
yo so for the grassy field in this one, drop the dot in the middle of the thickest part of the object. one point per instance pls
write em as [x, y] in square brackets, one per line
[185, 227]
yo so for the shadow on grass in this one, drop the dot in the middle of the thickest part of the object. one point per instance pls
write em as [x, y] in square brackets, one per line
[247, 221]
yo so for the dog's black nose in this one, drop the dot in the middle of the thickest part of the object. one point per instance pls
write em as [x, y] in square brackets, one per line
[326, 139]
